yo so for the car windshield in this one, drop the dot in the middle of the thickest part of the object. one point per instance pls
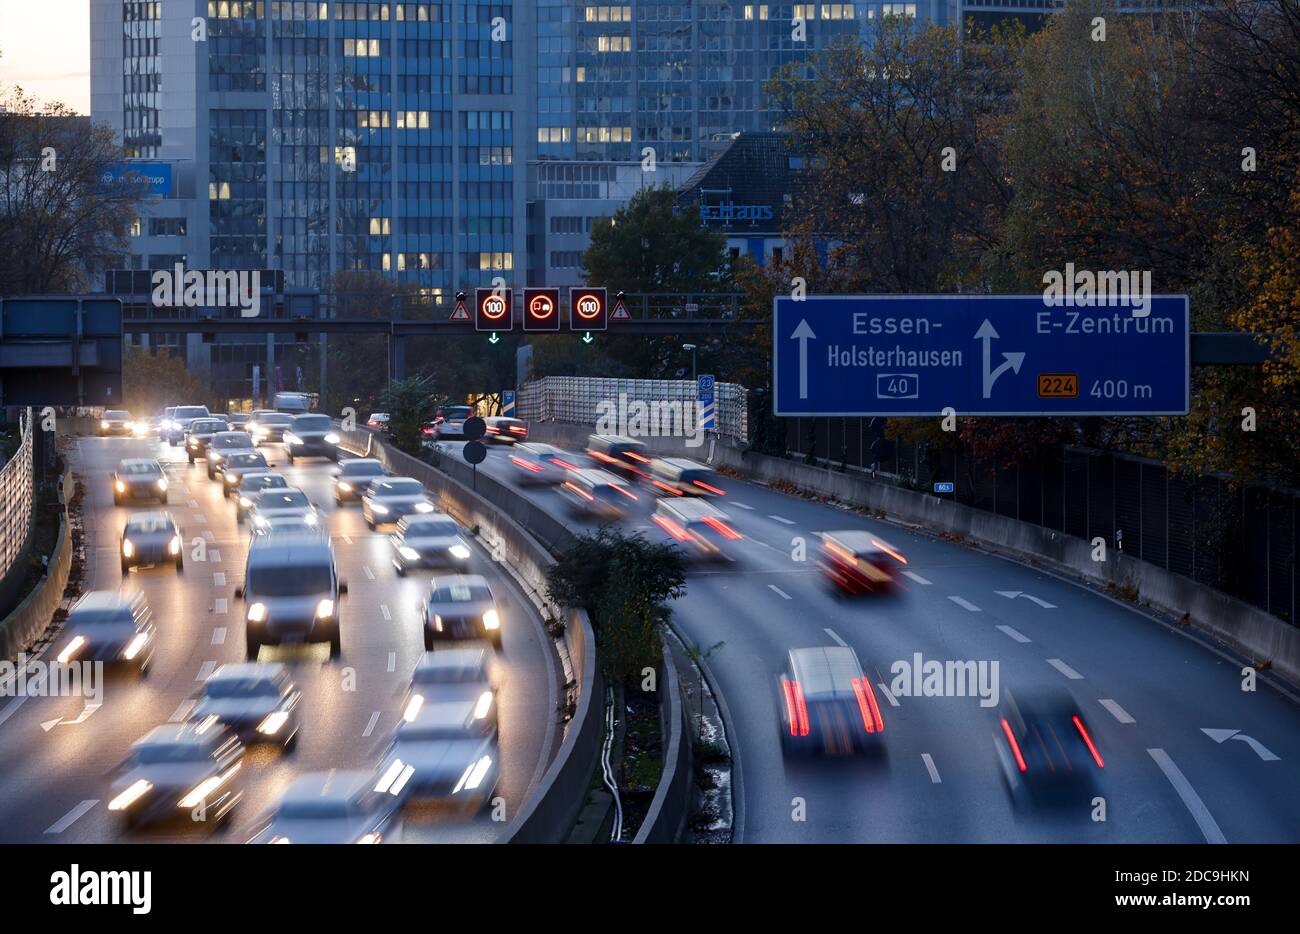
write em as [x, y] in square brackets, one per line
[208, 427]
[237, 417]
[363, 469]
[141, 469]
[233, 441]
[246, 459]
[327, 808]
[456, 411]
[431, 526]
[156, 753]
[449, 675]
[398, 488]
[269, 482]
[191, 411]
[242, 687]
[312, 423]
[290, 499]
[289, 580]
[117, 415]
[460, 593]
[142, 525]
[275, 418]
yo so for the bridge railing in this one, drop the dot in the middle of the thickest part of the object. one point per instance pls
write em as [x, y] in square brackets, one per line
[16, 496]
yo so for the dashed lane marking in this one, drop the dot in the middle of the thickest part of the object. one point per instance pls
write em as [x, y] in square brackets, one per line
[1065, 669]
[912, 575]
[1116, 711]
[929, 767]
[1014, 634]
[67, 820]
[777, 590]
[965, 604]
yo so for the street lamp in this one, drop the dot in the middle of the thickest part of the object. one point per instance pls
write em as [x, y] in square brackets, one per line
[691, 348]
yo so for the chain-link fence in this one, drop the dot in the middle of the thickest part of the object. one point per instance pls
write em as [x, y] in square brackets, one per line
[670, 408]
[17, 495]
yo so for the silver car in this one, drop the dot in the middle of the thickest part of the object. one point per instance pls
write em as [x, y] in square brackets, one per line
[460, 675]
[428, 541]
[180, 772]
[460, 607]
[289, 503]
[111, 627]
[173, 431]
[353, 477]
[267, 425]
[222, 445]
[332, 807]
[312, 436]
[443, 753]
[139, 478]
[389, 499]
[259, 701]
[251, 487]
[116, 422]
[541, 463]
[236, 465]
[200, 434]
[151, 538]
[291, 593]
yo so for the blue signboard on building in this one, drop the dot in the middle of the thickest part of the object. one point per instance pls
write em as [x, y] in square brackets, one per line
[979, 355]
[155, 176]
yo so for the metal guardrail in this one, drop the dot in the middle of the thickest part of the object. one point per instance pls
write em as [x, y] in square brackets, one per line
[16, 495]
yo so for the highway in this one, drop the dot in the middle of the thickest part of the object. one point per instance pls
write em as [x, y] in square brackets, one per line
[60, 753]
[1148, 692]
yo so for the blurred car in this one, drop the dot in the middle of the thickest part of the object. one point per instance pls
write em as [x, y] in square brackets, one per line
[139, 478]
[597, 493]
[115, 422]
[703, 530]
[200, 434]
[145, 427]
[461, 675]
[151, 538]
[258, 701]
[391, 498]
[222, 445]
[331, 807]
[110, 627]
[164, 422]
[680, 476]
[625, 456]
[180, 772]
[291, 593]
[505, 430]
[450, 422]
[459, 607]
[378, 421]
[858, 562]
[283, 526]
[251, 487]
[541, 463]
[268, 425]
[1046, 750]
[353, 477]
[442, 754]
[238, 421]
[173, 432]
[312, 436]
[430, 540]
[235, 465]
[288, 503]
[827, 704]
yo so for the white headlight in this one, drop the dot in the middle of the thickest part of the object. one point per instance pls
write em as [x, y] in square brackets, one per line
[127, 548]
[257, 613]
[460, 552]
[345, 486]
[131, 795]
[135, 645]
[424, 507]
[409, 553]
[291, 438]
[325, 609]
[474, 775]
[413, 708]
[332, 438]
[272, 723]
[103, 423]
[162, 485]
[175, 546]
[382, 510]
[310, 518]
[71, 649]
[483, 706]
[245, 501]
[491, 620]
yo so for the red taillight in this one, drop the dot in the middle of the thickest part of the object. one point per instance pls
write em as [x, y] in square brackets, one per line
[1096, 756]
[796, 707]
[624, 490]
[518, 429]
[601, 456]
[636, 457]
[372, 423]
[866, 695]
[710, 488]
[581, 492]
[493, 430]
[671, 489]
[721, 528]
[565, 464]
[671, 527]
[427, 430]
[889, 551]
[1015, 747]
[527, 465]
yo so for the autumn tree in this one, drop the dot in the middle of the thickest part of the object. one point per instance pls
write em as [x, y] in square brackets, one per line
[154, 378]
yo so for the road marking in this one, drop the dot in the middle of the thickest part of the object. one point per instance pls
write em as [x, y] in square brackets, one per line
[182, 712]
[1200, 813]
[383, 608]
[193, 504]
[219, 635]
[889, 695]
[67, 820]
[209, 535]
[1221, 736]
[781, 519]
[370, 727]
[1012, 594]
[214, 556]
[392, 661]
[739, 505]
[370, 575]
[1116, 711]
[778, 590]
[11, 708]
[929, 767]
[346, 538]
[218, 579]
[1065, 669]
[205, 670]
[82, 717]
[916, 577]
[831, 633]
[965, 604]
[1015, 634]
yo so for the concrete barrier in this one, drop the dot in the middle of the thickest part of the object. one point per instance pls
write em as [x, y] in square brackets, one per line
[29, 620]
[666, 818]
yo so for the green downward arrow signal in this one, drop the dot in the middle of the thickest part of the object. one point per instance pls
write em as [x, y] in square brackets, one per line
[587, 338]
[493, 339]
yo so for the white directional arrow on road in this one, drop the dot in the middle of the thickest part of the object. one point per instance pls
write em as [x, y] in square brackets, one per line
[81, 718]
[1221, 736]
[1012, 361]
[1012, 594]
[803, 334]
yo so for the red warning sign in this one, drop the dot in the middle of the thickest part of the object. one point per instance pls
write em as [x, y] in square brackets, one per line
[620, 312]
[460, 313]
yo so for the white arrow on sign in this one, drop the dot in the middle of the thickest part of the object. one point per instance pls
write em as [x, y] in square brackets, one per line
[1012, 594]
[81, 718]
[803, 333]
[1221, 736]
[987, 333]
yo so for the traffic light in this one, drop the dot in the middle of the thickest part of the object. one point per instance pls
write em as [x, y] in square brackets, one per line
[587, 309]
[541, 309]
[492, 311]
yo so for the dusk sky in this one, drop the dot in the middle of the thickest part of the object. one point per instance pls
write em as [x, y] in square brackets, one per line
[45, 48]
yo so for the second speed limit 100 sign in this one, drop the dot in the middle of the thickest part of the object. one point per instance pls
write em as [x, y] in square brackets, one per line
[587, 309]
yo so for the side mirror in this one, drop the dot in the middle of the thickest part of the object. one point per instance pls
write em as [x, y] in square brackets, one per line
[239, 593]
[343, 587]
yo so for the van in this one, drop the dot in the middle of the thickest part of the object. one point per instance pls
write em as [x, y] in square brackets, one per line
[292, 403]
[291, 593]
[679, 476]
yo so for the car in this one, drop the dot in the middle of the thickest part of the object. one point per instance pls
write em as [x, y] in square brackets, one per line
[182, 772]
[200, 434]
[461, 675]
[181, 418]
[1048, 753]
[165, 421]
[111, 627]
[293, 403]
[334, 806]
[237, 421]
[256, 700]
[442, 754]
[702, 530]
[390, 498]
[236, 464]
[253, 485]
[541, 463]
[139, 478]
[151, 538]
[597, 493]
[222, 445]
[624, 456]
[291, 593]
[459, 607]
[312, 436]
[288, 503]
[858, 562]
[505, 430]
[680, 476]
[450, 422]
[431, 540]
[116, 422]
[378, 421]
[267, 425]
[353, 477]
[290, 525]
[144, 427]
[827, 704]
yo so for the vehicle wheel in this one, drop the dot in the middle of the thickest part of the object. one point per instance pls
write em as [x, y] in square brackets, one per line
[191, 458]
[126, 569]
[371, 524]
[251, 647]
[336, 644]
[290, 460]
[180, 566]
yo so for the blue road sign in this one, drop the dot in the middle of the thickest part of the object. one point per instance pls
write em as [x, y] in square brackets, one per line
[978, 355]
[943, 487]
[508, 402]
[708, 410]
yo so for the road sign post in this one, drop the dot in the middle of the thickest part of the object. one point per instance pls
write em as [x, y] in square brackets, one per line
[858, 355]
[704, 385]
